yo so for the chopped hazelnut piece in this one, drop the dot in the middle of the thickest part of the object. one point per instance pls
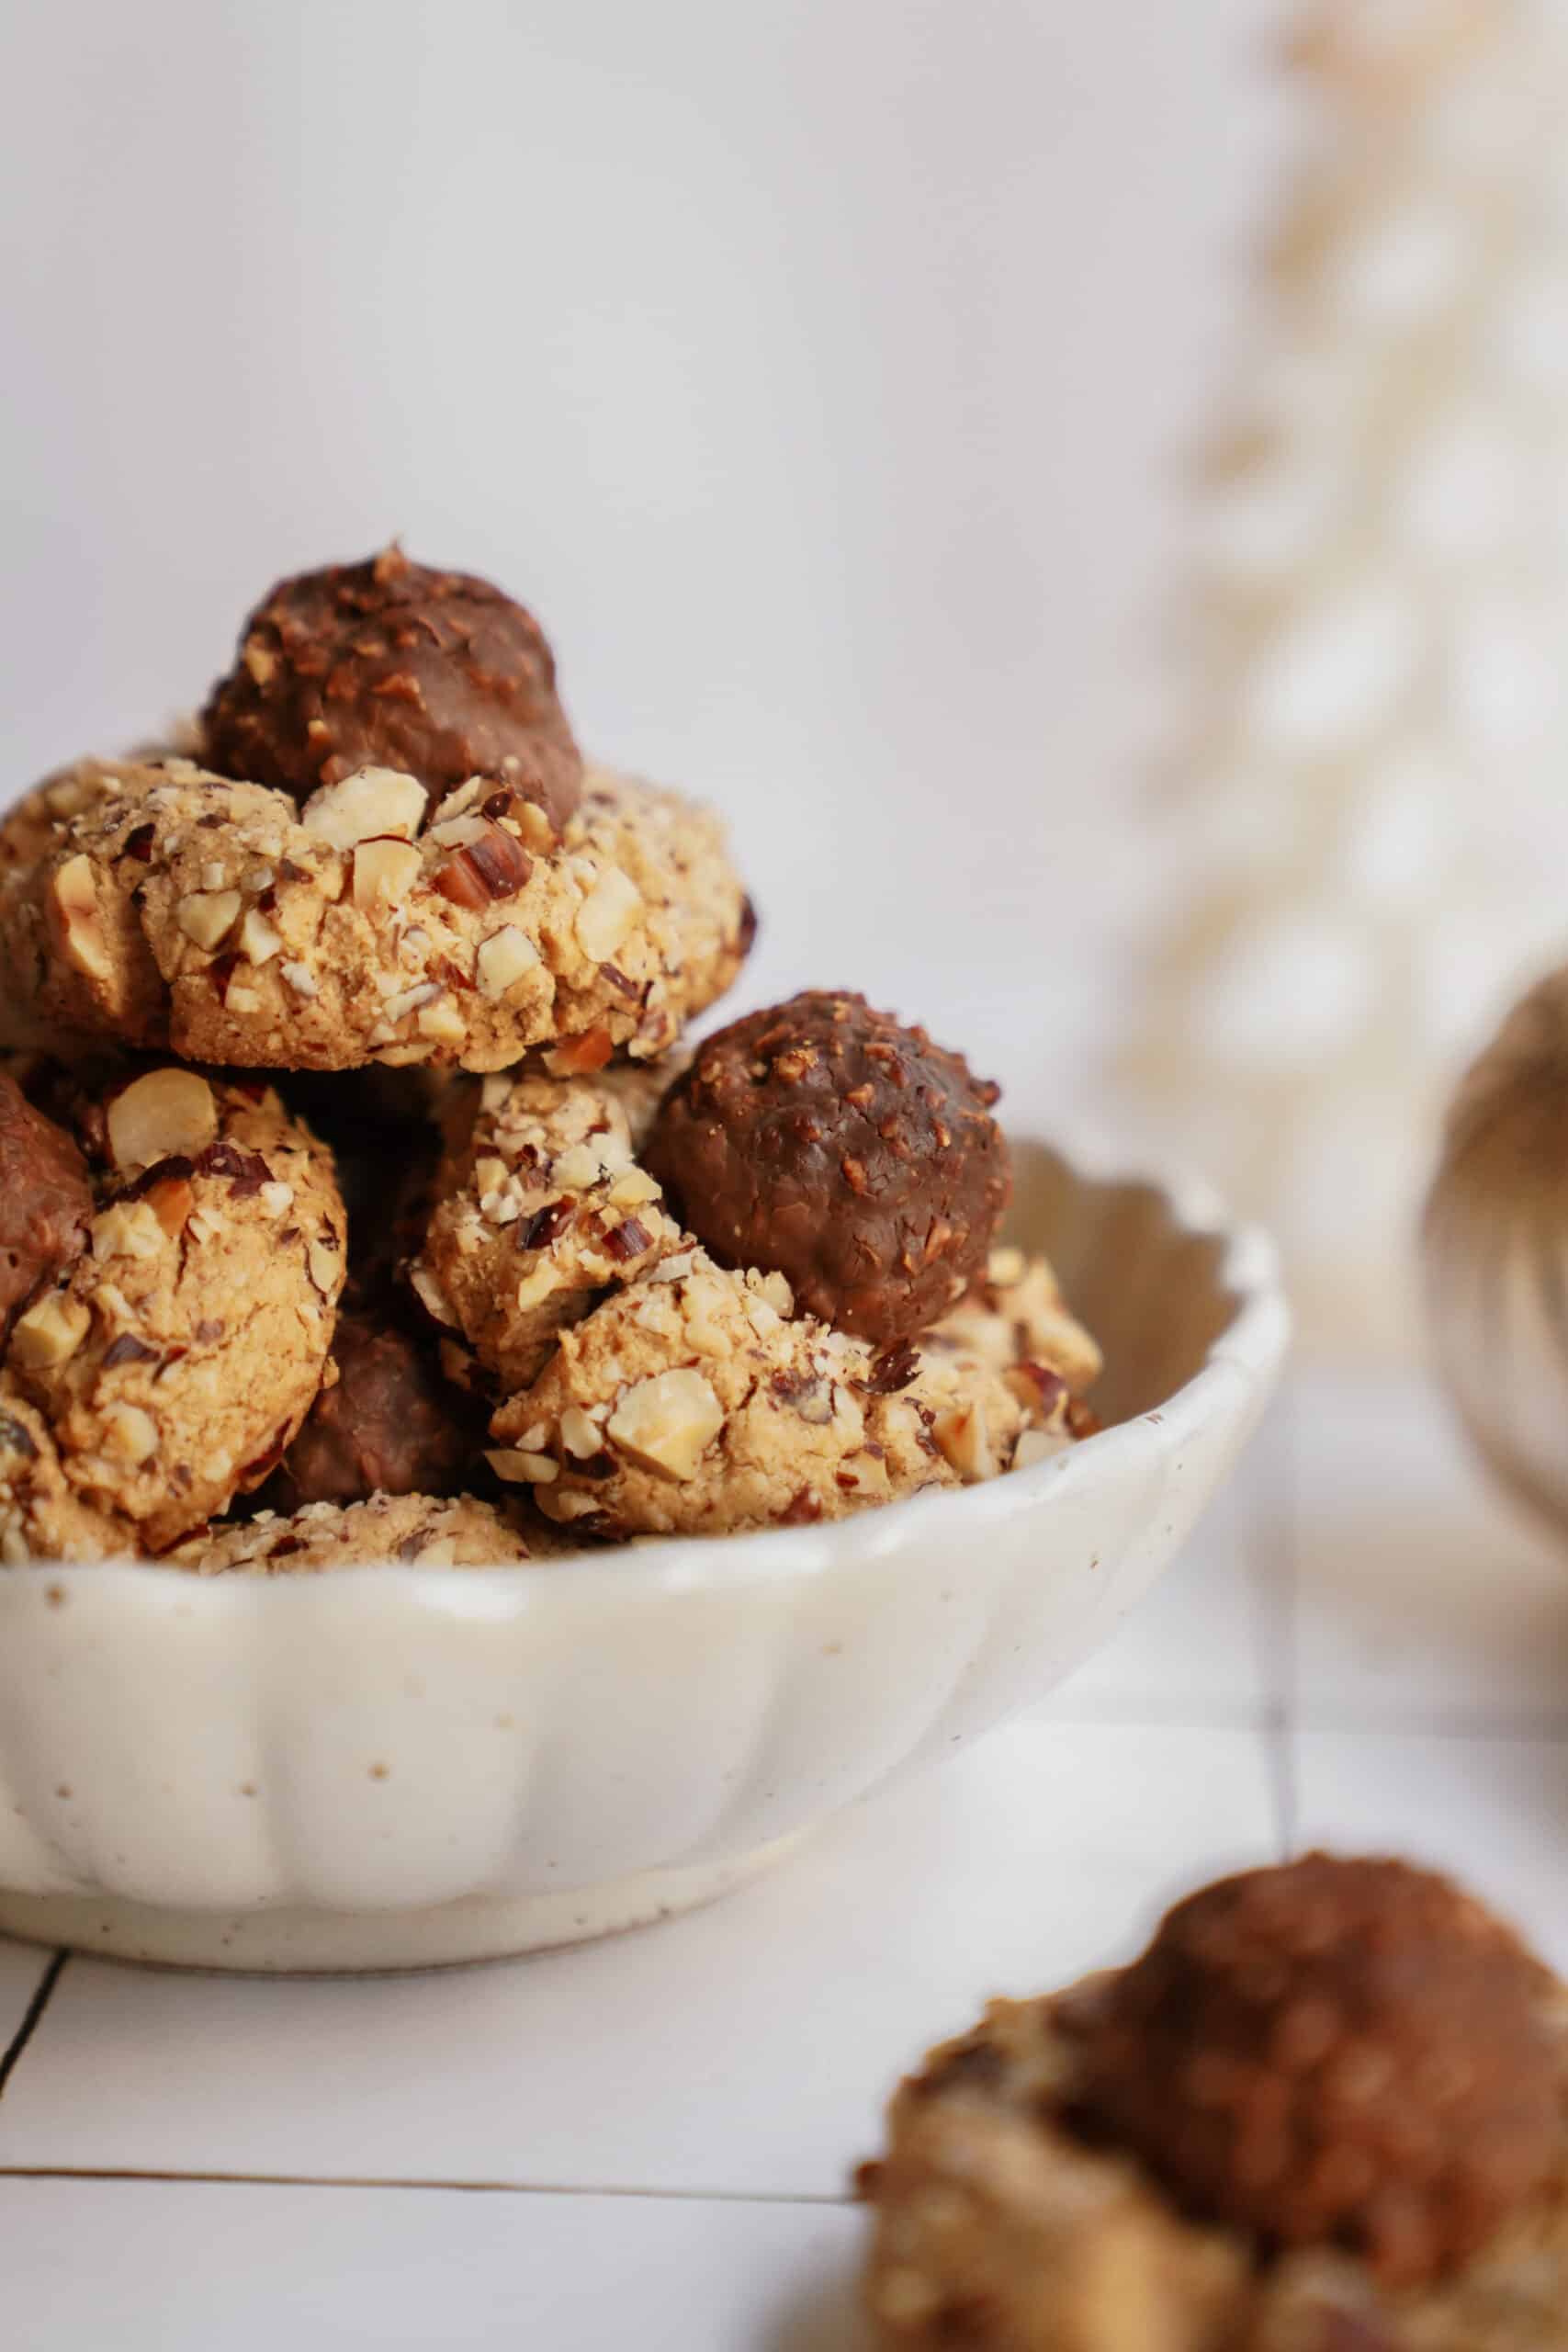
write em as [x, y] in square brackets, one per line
[76, 903]
[536, 828]
[130, 1432]
[409, 1001]
[50, 1333]
[70, 795]
[502, 959]
[635, 1187]
[522, 1468]
[607, 914]
[370, 802]
[170, 1202]
[667, 1423]
[206, 917]
[493, 865]
[127, 1229]
[457, 833]
[384, 872]
[169, 1112]
[442, 1020]
[966, 1440]
[579, 1434]
[538, 1285]
[326, 1269]
[259, 942]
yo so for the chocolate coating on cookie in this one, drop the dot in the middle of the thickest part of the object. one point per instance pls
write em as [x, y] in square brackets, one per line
[1340, 2053]
[386, 663]
[45, 1201]
[390, 1426]
[824, 1141]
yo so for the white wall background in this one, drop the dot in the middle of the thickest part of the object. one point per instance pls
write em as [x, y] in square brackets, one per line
[819, 373]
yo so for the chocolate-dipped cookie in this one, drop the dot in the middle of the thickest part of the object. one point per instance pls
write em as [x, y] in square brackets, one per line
[388, 664]
[45, 1201]
[826, 1142]
[388, 1424]
[1373, 2026]
[1326, 2110]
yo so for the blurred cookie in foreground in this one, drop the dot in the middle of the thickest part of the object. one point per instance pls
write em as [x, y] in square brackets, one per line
[1492, 1245]
[1326, 2110]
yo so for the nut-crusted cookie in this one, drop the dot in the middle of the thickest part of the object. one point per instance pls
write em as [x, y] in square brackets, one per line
[178, 909]
[541, 1211]
[416, 1530]
[173, 1360]
[995, 2229]
[1012, 2212]
[690, 1403]
[41, 1516]
[1017, 1316]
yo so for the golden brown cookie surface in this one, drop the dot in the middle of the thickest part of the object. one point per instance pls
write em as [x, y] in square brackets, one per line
[172, 1361]
[178, 909]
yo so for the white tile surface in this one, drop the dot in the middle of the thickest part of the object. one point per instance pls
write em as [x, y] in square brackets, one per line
[749, 2047]
[198, 2267]
[1421, 1599]
[1494, 1812]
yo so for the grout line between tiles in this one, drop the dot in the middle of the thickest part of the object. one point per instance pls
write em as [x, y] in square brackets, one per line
[451, 2187]
[43, 1992]
[1548, 1730]
[1271, 1536]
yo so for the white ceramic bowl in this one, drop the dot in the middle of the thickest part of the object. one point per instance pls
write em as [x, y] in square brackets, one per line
[388, 1767]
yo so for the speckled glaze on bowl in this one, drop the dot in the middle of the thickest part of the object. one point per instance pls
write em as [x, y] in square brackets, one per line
[393, 1767]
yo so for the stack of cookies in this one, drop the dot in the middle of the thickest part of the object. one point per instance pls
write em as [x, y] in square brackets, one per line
[358, 1200]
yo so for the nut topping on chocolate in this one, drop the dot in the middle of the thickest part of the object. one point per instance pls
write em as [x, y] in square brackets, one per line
[823, 1141]
[45, 1201]
[1345, 2052]
[387, 664]
[389, 1426]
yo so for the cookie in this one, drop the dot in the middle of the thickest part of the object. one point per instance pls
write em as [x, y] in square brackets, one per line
[410, 1530]
[384, 1421]
[690, 1403]
[45, 1201]
[541, 1211]
[1015, 1315]
[388, 1130]
[1264, 1999]
[41, 1516]
[178, 909]
[996, 2227]
[173, 1360]
[1382, 2073]
[826, 1142]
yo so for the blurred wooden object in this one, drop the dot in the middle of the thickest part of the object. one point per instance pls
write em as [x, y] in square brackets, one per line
[1365, 829]
[1495, 1248]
